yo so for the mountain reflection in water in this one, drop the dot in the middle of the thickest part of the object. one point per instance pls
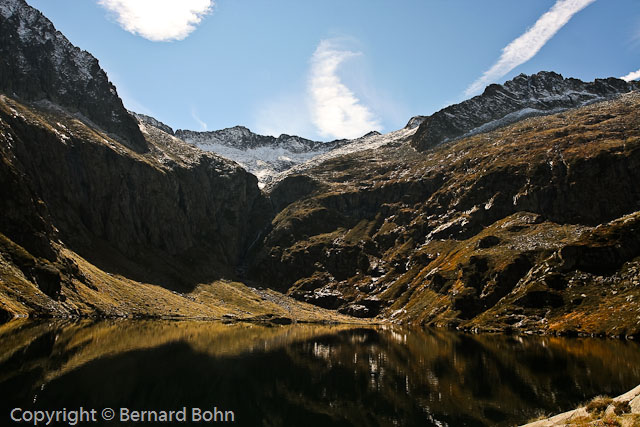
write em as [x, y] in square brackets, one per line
[307, 375]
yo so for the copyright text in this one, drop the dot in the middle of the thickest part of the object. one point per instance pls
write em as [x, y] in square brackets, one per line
[73, 417]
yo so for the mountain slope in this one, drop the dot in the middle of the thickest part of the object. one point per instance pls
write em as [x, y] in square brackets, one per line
[532, 226]
[103, 215]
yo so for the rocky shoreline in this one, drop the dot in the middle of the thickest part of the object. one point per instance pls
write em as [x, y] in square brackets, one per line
[601, 411]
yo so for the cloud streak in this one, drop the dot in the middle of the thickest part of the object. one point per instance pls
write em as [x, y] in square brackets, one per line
[529, 44]
[194, 116]
[631, 76]
[335, 110]
[159, 20]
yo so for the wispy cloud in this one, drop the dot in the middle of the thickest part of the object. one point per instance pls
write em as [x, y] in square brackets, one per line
[529, 44]
[159, 20]
[631, 76]
[194, 115]
[335, 109]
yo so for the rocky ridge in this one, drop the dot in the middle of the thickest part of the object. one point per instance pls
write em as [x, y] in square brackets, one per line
[38, 63]
[273, 159]
[153, 122]
[264, 156]
[524, 96]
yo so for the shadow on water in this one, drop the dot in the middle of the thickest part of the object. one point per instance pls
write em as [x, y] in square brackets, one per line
[306, 375]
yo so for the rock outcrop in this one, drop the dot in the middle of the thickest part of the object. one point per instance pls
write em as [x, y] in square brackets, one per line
[152, 121]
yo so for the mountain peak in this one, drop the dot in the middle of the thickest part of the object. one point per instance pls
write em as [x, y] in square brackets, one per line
[38, 63]
[524, 96]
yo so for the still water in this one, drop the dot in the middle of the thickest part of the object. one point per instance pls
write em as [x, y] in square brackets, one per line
[305, 375]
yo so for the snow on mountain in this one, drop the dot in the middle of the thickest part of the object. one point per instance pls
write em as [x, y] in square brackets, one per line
[264, 156]
[270, 158]
[264, 161]
[370, 141]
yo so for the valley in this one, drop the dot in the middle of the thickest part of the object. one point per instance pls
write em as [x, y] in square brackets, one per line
[516, 210]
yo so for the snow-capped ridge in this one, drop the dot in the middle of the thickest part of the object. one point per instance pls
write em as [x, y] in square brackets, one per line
[263, 155]
[523, 96]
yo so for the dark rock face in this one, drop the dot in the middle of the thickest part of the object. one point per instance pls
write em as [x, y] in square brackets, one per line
[66, 183]
[63, 182]
[524, 96]
[4, 315]
[24, 217]
[38, 63]
[290, 189]
[488, 242]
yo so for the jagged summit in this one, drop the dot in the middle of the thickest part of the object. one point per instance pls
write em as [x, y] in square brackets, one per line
[38, 63]
[271, 158]
[242, 138]
[524, 96]
[263, 155]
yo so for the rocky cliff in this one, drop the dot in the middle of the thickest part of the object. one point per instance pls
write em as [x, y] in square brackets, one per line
[524, 96]
[38, 63]
[174, 216]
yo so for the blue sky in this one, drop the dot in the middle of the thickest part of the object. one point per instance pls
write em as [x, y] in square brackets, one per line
[337, 68]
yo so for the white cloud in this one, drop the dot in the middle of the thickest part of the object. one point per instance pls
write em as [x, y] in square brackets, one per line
[159, 20]
[632, 76]
[335, 110]
[527, 45]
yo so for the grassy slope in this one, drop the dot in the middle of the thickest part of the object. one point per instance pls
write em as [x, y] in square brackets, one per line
[107, 295]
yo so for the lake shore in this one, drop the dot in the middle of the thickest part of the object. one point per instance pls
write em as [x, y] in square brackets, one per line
[586, 415]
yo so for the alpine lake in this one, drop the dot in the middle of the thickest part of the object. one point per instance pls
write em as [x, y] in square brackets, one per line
[300, 374]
